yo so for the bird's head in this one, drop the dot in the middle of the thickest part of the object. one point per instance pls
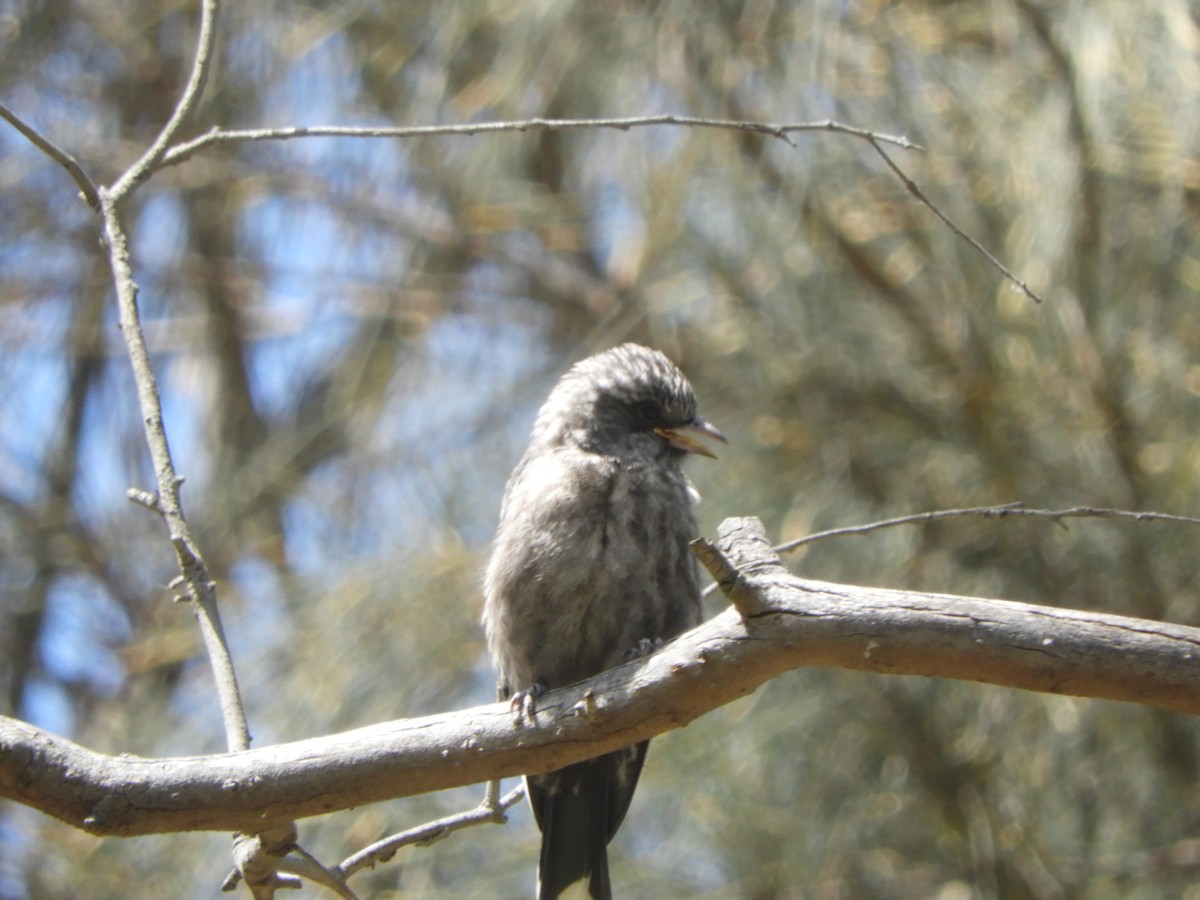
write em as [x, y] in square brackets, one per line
[629, 403]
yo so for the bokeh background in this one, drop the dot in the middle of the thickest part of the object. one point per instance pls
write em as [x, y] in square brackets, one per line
[352, 337]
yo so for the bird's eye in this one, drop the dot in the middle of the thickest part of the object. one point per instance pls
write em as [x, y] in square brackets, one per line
[648, 411]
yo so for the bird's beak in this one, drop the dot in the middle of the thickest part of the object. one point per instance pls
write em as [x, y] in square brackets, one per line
[687, 437]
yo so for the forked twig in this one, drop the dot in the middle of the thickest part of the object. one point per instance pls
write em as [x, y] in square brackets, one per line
[430, 832]
[150, 161]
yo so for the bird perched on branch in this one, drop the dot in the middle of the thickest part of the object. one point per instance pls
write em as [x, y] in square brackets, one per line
[591, 566]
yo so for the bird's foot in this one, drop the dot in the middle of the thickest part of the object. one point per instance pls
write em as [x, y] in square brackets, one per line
[644, 647]
[523, 704]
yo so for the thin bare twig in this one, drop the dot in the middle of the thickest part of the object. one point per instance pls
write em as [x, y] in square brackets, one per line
[1004, 510]
[183, 151]
[199, 586]
[301, 862]
[1098, 512]
[150, 161]
[87, 187]
[1000, 511]
[384, 850]
[912, 187]
[147, 499]
[986, 512]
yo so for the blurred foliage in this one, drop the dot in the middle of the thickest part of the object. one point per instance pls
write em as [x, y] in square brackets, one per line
[352, 337]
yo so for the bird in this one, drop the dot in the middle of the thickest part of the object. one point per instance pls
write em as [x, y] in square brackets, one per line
[591, 567]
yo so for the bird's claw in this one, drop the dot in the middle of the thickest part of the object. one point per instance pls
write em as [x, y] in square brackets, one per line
[644, 647]
[523, 704]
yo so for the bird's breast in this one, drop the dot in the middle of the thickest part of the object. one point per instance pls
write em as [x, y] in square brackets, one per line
[594, 560]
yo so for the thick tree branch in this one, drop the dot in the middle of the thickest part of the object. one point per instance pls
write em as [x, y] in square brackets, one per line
[785, 623]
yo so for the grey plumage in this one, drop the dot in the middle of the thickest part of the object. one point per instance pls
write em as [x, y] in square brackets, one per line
[591, 562]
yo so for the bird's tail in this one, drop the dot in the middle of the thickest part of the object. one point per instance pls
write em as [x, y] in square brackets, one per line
[574, 861]
[579, 809]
